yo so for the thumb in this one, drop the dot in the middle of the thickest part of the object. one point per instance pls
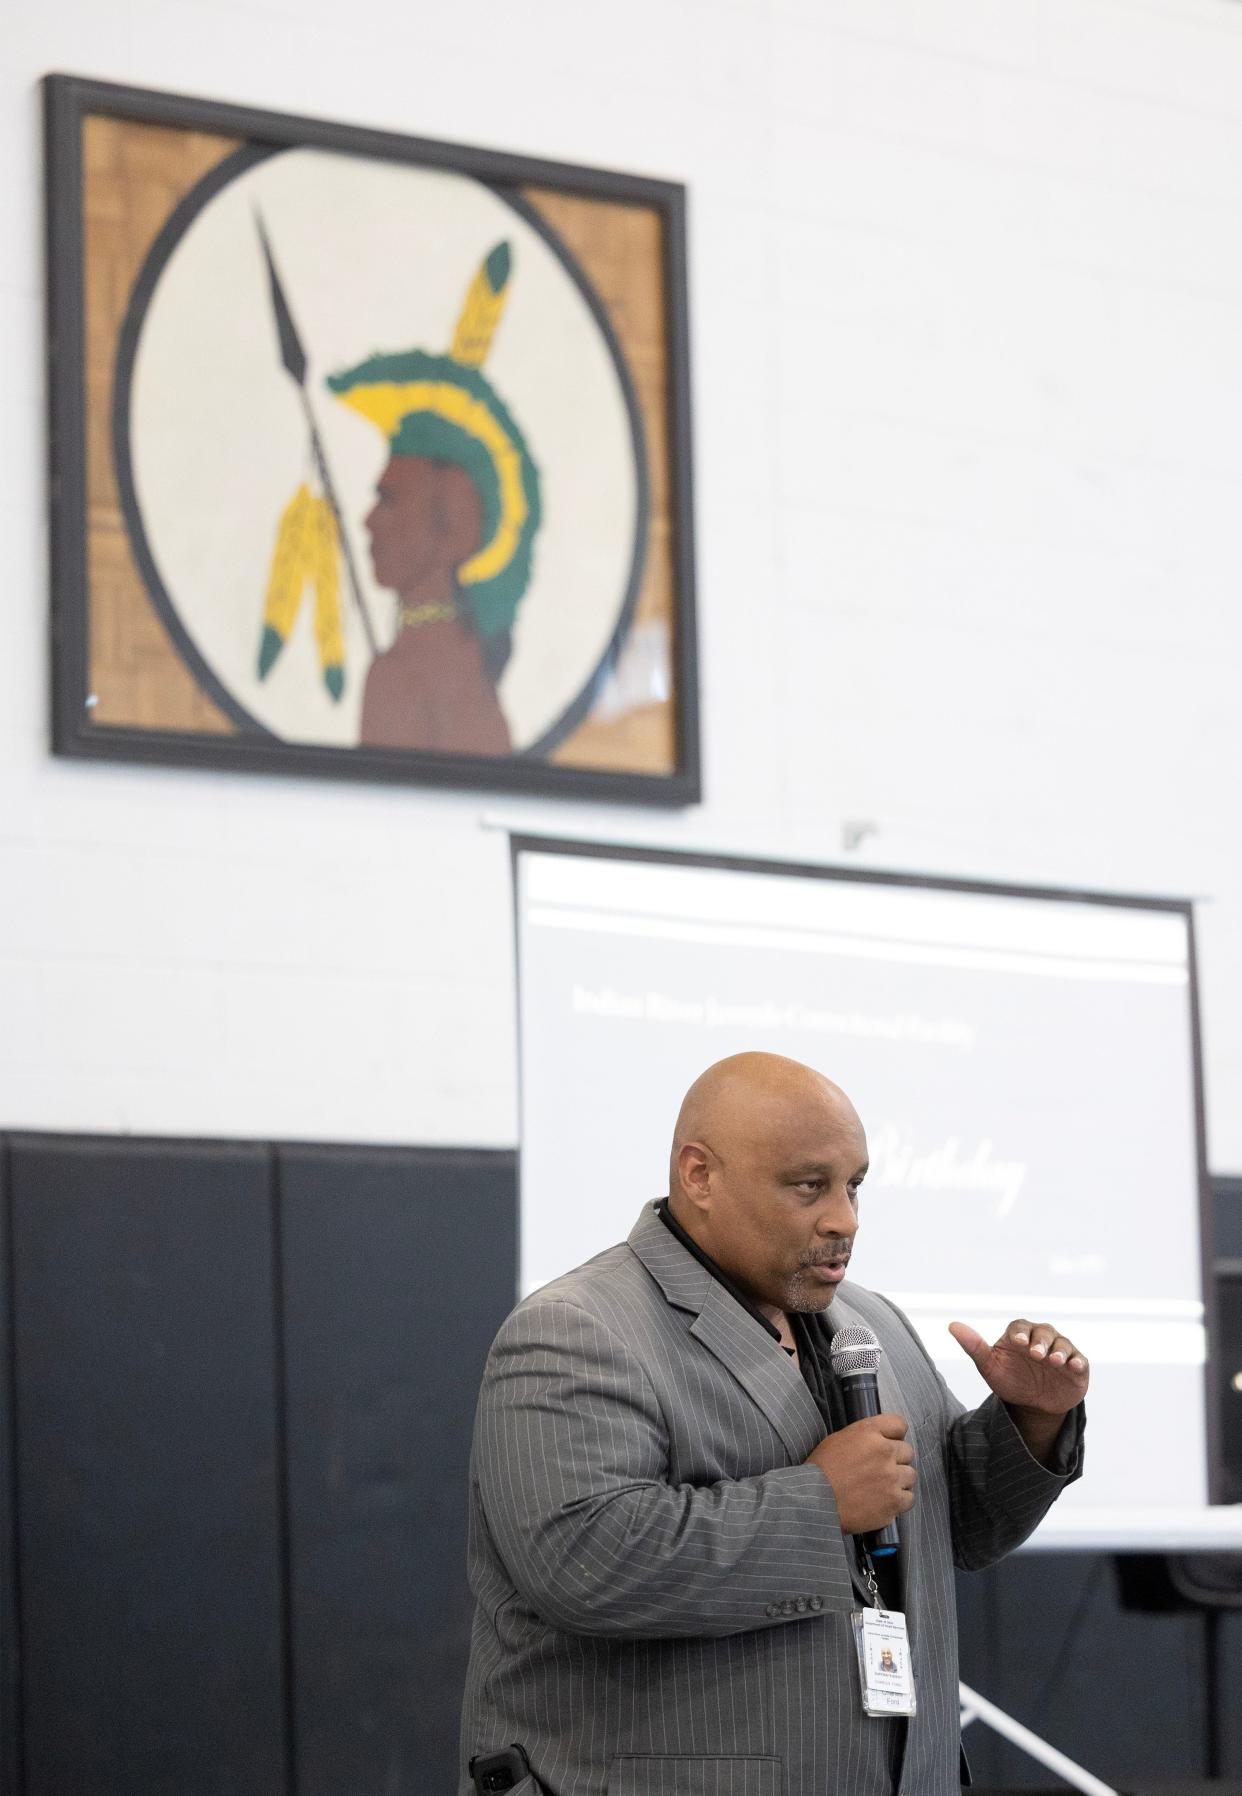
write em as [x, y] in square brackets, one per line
[972, 1342]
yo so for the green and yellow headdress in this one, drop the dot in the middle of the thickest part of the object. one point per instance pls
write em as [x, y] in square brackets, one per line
[444, 408]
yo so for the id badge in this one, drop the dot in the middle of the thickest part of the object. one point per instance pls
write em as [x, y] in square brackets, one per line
[884, 1666]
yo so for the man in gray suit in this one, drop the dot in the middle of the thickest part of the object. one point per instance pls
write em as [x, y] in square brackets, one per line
[668, 1505]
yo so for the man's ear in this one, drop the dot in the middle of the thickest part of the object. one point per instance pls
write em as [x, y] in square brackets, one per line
[695, 1168]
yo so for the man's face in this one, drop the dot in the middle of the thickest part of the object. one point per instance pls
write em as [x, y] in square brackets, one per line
[782, 1200]
[426, 520]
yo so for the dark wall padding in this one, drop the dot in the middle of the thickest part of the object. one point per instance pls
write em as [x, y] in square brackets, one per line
[148, 1507]
[1045, 1636]
[1227, 1218]
[239, 1404]
[398, 1270]
[234, 1428]
[1229, 1368]
[10, 1620]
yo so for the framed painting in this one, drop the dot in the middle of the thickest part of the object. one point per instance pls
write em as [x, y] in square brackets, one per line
[370, 454]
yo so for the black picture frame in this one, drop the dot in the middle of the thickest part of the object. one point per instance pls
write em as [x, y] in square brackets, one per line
[68, 102]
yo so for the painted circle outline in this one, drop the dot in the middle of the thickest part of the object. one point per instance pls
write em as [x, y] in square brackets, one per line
[129, 336]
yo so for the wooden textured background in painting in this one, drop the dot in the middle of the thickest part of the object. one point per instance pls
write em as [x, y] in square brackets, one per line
[622, 252]
[133, 176]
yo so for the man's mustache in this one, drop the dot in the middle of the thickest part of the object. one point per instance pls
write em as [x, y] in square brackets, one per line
[833, 1258]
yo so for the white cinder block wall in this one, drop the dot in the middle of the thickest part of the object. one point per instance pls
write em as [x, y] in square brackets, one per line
[967, 322]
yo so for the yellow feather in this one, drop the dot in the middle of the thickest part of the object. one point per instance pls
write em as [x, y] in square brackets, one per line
[329, 625]
[480, 314]
[287, 578]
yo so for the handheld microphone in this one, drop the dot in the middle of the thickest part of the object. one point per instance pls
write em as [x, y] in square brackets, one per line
[855, 1354]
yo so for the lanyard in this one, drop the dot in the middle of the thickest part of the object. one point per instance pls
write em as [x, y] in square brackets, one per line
[866, 1567]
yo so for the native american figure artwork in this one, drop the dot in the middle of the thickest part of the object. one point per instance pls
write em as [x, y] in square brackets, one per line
[456, 512]
[383, 460]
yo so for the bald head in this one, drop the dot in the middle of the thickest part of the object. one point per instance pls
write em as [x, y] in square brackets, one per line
[747, 1096]
[766, 1162]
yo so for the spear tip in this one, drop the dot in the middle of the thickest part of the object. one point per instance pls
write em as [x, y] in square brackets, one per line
[292, 354]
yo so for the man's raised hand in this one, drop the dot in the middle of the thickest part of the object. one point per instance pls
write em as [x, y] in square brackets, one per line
[1032, 1366]
[1037, 1373]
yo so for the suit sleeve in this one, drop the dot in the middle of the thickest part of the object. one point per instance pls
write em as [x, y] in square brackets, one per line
[998, 1491]
[571, 1463]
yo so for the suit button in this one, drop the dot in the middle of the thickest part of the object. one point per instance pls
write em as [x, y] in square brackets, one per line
[817, 1603]
[800, 1605]
[787, 1607]
[772, 1609]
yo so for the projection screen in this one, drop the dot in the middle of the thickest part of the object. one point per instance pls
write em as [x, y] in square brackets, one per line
[1025, 1063]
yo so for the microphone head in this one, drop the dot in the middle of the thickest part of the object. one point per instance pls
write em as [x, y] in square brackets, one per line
[854, 1349]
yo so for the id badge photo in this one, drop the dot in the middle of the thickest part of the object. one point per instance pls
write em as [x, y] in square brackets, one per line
[884, 1668]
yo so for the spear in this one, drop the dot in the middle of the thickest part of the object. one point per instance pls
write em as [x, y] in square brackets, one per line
[293, 356]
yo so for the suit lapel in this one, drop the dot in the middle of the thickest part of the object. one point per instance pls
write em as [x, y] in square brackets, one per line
[762, 1368]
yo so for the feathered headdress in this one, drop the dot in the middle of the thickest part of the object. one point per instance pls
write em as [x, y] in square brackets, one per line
[444, 408]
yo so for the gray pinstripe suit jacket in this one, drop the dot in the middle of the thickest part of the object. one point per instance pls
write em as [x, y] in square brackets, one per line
[662, 1589]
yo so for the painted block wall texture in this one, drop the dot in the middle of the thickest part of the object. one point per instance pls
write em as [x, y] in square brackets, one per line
[967, 335]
